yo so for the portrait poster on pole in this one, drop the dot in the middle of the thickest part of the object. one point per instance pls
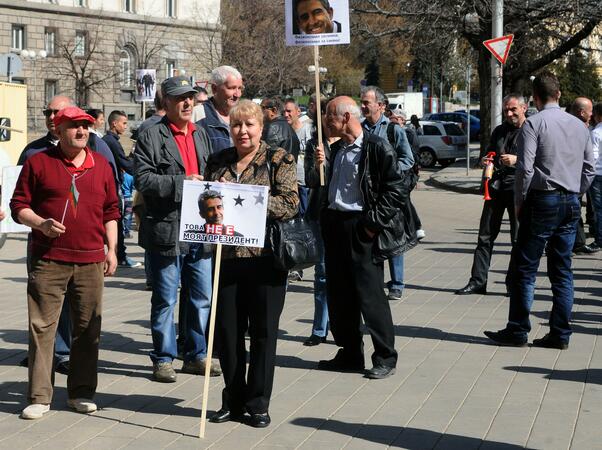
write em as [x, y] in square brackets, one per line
[224, 213]
[316, 22]
[10, 175]
[146, 85]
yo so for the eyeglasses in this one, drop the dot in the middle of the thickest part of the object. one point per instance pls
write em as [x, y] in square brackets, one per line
[49, 112]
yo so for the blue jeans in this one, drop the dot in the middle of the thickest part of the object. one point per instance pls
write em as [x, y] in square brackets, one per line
[546, 217]
[595, 192]
[195, 268]
[303, 199]
[320, 325]
[396, 272]
[62, 343]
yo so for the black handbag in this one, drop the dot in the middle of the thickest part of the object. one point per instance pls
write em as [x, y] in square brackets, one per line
[293, 241]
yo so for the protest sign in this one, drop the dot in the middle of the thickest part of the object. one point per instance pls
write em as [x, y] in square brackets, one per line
[146, 85]
[10, 174]
[224, 213]
[316, 22]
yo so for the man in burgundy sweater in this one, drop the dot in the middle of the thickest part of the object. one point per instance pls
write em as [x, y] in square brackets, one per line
[67, 196]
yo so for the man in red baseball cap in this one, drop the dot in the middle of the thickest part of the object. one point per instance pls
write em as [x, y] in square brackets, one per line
[67, 196]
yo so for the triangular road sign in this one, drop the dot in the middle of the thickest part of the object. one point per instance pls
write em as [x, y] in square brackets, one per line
[500, 47]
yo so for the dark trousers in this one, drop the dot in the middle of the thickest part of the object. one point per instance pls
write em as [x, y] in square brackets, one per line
[546, 217]
[251, 298]
[489, 229]
[49, 283]
[355, 286]
[121, 248]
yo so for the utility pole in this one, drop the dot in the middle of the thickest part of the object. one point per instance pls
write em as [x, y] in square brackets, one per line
[468, 75]
[496, 68]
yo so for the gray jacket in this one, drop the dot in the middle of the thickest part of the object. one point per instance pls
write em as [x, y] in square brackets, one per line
[159, 176]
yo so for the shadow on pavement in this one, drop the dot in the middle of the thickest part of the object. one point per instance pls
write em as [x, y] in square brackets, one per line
[13, 398]
[437, 334]
[401, 437]
[591, 376]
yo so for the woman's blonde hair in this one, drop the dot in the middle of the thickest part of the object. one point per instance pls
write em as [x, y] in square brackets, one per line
[246, 109]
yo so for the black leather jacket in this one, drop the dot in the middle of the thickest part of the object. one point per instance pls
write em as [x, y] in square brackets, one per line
[385, 197]
[279, 134]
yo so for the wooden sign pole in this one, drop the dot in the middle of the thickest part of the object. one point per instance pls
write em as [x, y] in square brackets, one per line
[318, 105]
[218, 262]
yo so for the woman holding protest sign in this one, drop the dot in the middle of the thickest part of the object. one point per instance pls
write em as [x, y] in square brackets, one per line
[251, 291]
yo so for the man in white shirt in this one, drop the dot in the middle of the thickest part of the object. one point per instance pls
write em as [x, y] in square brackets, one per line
[596, 188]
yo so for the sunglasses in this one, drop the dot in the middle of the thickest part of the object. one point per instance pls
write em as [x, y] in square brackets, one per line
[49, 112]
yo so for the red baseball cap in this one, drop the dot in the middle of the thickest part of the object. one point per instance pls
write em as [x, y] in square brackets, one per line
[71, 113]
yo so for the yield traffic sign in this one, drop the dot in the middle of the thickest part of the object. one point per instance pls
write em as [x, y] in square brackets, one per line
[500, 47]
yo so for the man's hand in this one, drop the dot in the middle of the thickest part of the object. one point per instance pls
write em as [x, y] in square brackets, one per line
[110, 263]
[508, 160]
[195, 177]
[319, 156]
[51, 228]
[484, 161]
[2, 215]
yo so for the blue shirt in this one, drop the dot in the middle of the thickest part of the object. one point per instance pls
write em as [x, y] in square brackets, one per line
[344, 193]
[127, 185]
[554, 151]
[401, 145]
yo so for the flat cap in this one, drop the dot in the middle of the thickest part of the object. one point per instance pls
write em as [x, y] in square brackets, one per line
[72, 113]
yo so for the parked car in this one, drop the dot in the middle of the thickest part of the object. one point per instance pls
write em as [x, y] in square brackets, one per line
[440, 142]
[459, 118]
[473, 112]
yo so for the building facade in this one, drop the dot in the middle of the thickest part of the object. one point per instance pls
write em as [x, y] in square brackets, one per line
[90, 49]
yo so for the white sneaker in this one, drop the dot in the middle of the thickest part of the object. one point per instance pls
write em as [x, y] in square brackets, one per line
[420, 234]
[82, 405]
[35, 411]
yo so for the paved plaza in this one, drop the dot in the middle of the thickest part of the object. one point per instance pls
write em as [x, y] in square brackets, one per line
[452, 390]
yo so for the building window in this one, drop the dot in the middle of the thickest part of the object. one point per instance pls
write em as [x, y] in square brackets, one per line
[17, 37]
[128, 6]
[80, 47]
[50, 41]
[171, 67]
[171, 8]
[125, 69]
[50, 90]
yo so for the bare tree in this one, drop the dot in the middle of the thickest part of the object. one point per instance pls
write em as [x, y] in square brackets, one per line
[85, 63]
[250, 37]
[146, 45]
[544, 31]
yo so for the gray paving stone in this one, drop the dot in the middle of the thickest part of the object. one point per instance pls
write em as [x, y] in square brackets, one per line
[452, 390]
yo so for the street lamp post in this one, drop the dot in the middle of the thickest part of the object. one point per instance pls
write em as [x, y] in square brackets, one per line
[33, 56]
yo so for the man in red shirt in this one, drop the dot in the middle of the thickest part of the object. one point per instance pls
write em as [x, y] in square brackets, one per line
[166, 154]
[67, 196]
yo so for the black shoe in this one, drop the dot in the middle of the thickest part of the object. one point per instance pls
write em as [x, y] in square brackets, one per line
[549, 341]
[379, 372]
[260, 420]
[595, 247]
[342, 363]
[225, 415]
[585, 250]
[314, 340]
[62, 367]
[471, 288]
[506, 338]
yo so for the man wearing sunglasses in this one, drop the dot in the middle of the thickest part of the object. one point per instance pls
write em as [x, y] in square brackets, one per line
[51, 139]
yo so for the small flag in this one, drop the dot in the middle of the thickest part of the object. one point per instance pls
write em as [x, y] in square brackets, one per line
[74, 196]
